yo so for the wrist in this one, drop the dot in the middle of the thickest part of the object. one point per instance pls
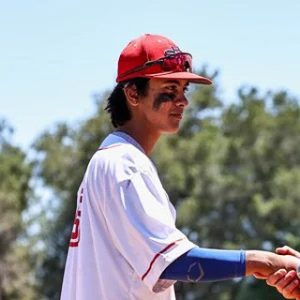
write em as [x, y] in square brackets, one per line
[261, 262]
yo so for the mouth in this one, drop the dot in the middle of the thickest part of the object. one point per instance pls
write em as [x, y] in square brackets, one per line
[177, 116]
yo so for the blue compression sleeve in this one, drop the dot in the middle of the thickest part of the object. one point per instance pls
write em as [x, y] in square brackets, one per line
[203, 264]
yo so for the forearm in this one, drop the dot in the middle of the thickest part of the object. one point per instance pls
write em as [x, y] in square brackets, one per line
[201, 264]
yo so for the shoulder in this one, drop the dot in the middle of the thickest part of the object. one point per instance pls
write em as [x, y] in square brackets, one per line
[119, 152]
[120, 161]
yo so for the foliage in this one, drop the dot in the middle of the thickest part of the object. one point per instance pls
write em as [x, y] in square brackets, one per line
[15, 173]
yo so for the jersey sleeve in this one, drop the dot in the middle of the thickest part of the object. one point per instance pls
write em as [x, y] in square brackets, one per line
[141, 222]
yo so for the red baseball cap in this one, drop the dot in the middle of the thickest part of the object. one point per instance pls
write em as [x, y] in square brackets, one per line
[155, 56]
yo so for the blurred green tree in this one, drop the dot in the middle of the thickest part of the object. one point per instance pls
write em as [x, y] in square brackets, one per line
[16, 277]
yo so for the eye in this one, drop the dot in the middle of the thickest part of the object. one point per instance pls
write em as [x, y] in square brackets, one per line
[186, 89]
[172, 88]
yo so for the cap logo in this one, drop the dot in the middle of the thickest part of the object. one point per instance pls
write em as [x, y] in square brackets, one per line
[172, 51]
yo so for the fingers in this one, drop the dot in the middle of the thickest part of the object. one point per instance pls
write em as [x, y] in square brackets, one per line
[275, 277]
[287, 283]
[287, 250]
[291, 292]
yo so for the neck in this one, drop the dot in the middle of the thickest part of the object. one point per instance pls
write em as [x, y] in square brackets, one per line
[146, 138]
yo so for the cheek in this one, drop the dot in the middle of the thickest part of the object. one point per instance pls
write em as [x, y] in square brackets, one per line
[162, 99]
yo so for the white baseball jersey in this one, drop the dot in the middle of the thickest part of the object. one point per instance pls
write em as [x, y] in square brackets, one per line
[124, 233]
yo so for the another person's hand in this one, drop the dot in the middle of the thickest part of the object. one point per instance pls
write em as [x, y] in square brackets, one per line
[286, 250]
[287, 283]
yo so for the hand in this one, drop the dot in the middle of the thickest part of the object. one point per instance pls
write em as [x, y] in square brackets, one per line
[286, 250]
[286, 283]
[262, 264]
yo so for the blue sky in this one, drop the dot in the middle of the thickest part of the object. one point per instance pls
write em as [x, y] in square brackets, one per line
[54, 55]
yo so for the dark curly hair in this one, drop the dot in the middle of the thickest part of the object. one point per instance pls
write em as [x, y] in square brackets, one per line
[116, 103]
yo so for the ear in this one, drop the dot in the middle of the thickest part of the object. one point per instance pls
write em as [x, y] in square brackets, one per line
[131, 95]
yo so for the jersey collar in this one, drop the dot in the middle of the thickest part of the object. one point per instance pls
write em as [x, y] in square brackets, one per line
[128, 139]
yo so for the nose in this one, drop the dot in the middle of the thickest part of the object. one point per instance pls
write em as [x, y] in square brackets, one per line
[181, 101]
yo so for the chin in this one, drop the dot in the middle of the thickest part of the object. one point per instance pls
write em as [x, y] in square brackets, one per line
[172, 130]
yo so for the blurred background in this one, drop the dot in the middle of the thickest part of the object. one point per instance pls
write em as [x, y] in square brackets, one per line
[234, 173]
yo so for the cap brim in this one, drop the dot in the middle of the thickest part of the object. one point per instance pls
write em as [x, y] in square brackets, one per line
[191, 77]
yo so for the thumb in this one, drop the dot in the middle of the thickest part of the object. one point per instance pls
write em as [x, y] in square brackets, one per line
[286, 250]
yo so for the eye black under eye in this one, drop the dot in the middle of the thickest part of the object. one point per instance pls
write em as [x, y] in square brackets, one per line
[168, 96]
[162, 98]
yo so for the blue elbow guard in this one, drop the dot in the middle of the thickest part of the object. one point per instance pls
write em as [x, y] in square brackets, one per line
[202, 264]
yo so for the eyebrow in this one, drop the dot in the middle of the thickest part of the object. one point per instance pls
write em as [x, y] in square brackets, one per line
[174, 81]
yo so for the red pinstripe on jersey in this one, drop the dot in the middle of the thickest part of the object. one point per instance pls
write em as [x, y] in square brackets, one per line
[157, 255]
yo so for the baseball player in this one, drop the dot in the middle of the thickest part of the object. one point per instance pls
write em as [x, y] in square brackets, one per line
[124, 243]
